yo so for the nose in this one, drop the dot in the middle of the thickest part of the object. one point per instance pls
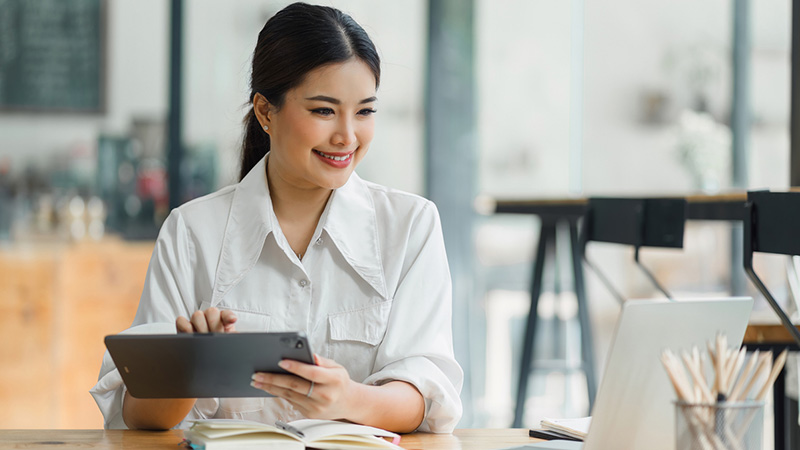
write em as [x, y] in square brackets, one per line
[345, 133]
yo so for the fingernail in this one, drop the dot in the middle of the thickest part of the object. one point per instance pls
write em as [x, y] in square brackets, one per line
[255, 385]
[284, 364]
[257, 377]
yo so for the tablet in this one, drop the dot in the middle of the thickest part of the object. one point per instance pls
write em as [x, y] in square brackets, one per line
[202, 364]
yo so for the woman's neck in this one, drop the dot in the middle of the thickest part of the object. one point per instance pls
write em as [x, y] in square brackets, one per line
[294, 205]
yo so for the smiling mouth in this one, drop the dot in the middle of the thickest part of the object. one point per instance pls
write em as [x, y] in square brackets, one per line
[334, 158]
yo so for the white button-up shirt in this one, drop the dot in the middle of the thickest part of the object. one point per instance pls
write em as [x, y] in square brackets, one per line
[372, 291]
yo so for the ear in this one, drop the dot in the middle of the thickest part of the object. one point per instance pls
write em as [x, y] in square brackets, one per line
[262, 109]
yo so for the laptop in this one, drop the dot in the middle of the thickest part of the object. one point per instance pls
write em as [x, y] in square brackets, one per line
[634, 407]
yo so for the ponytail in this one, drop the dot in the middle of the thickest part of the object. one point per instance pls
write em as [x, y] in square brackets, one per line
[254, 145]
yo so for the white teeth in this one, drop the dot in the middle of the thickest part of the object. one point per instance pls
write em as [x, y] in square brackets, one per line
[335, 158]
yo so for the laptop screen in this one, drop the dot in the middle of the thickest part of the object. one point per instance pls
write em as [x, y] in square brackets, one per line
[634, 408]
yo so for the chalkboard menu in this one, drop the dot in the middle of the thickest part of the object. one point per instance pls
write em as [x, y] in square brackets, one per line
[51, 55]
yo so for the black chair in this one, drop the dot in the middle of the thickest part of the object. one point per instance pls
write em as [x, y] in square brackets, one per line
[772, 225]
[639, 222]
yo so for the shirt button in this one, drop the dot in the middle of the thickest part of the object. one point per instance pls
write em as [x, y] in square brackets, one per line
[319, 241]
[303, 283]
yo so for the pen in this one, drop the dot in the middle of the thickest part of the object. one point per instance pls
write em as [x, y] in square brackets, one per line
[286, 427]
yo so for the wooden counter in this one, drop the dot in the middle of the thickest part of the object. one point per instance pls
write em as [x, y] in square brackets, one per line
[57, 302]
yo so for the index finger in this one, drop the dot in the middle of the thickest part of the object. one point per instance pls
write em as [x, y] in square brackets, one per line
[183, 325]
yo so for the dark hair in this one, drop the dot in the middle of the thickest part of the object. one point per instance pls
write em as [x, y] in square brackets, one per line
[293, 42]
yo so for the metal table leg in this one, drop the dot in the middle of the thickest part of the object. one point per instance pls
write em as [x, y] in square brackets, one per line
[587, 351]
[546, 237]
[781, 416]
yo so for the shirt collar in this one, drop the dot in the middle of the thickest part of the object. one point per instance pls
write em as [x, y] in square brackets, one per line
[249, 223]
[353, 226]
[350, 222]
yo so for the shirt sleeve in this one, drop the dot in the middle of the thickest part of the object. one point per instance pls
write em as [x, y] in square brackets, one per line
[418, 345]
[167, 293]
[168, 287]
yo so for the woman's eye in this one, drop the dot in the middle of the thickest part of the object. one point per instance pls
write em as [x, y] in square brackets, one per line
[367, 112]
[323, 111]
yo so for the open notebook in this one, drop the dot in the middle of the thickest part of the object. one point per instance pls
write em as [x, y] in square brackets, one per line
[569, 428]
[321, 434]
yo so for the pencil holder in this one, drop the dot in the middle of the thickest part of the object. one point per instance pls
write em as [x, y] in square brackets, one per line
[718, 426]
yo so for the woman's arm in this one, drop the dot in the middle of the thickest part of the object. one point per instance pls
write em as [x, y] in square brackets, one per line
[165, 413]
[396, 406]
[154, 413]
[417, 347]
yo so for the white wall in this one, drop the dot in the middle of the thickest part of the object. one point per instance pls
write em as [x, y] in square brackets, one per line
[632, 46]
[523, 72]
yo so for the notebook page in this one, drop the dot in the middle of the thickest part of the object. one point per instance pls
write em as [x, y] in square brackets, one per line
[317, 429]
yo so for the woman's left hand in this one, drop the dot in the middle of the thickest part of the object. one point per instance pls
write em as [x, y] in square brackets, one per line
[318, 391]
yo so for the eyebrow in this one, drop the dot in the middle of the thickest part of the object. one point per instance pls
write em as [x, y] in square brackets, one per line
[336, 101]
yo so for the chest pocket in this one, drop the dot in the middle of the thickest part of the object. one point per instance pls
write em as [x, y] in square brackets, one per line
[246, 321]
[355, 336]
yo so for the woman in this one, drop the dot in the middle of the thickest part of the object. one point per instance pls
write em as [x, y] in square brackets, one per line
[302, 243]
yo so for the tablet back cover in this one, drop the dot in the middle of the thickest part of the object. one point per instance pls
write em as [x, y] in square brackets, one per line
[202, 365]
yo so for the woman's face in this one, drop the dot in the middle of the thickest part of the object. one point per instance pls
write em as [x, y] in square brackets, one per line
[324, 127]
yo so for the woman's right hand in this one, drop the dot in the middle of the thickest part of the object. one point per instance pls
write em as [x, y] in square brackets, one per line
[212, 320]
[165, 413]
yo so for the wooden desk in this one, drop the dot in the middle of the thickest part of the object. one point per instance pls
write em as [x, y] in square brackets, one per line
[774, 334]
[728, 206]
[466, 439]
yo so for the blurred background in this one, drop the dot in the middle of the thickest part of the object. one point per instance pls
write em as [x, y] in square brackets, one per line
[114, 111]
